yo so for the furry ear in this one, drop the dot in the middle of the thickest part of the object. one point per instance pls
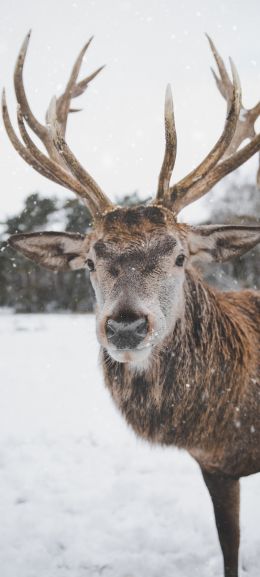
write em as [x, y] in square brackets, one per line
[53, 250]
[221, 242]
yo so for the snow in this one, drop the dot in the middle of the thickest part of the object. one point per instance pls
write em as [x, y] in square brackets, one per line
[80, 495]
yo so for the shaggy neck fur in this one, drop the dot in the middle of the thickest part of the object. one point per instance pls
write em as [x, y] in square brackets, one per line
[195, 388]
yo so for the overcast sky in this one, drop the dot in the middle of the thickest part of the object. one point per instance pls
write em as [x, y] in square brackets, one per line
[119, 136]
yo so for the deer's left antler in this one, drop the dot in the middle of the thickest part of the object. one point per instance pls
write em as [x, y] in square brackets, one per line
[225, 156]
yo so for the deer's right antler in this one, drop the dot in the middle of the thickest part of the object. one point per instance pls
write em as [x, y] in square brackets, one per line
[245, 127]
[59, 164]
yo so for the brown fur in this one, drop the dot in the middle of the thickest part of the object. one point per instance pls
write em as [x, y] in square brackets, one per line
[201, 391]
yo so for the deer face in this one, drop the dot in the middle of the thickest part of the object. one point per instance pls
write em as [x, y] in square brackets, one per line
[136, 266]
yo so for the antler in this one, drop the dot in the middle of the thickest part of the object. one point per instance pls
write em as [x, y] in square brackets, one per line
[247, 117]
[224, 157]
[170, 147]
[61, 166]
[55, 165]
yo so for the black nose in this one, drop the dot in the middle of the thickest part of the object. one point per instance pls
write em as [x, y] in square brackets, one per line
[126, 332]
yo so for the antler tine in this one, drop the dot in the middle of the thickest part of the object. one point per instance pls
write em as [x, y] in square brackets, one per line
[39, 129]
[170, 147]
[224, 83]
[76, 168]
[34, 124]
[19, 147]
[73, 88]
[245, 124]
[180, 189]
[83, 84]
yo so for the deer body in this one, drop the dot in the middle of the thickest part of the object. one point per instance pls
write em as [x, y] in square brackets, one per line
[181, 360]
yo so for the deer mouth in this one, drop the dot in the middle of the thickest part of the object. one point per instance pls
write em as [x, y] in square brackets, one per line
[136, 356]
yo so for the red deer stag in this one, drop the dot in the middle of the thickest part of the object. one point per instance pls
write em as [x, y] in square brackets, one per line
[181, 360]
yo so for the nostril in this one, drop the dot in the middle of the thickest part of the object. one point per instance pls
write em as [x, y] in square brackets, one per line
[142, 327]
[110, 329]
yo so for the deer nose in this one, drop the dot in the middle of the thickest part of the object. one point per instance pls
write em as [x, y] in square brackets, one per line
[126, 333]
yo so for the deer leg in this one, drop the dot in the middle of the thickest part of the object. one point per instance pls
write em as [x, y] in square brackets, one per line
[224, 492]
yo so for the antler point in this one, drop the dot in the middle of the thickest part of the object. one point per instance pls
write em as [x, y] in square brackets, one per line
[168, 97]
[236, 79]
[210, 41]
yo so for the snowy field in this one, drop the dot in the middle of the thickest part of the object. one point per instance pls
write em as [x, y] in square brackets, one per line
[80, 495]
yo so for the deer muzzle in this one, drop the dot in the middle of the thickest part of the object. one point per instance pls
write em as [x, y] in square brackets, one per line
[126, 332]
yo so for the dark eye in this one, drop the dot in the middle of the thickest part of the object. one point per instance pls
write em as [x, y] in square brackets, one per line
[180, 260]
[90, 265]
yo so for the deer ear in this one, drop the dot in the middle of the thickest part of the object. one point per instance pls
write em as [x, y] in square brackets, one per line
[219, 242]
[53, 250]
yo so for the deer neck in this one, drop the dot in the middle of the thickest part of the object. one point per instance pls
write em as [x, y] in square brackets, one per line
[194, 377]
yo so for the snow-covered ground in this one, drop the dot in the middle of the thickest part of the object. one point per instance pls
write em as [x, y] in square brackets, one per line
[80, 496]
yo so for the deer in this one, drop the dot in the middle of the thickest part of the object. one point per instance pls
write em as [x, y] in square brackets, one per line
[179, 357]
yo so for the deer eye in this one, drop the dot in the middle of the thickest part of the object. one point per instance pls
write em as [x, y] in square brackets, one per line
[180, 260]
[90, 265]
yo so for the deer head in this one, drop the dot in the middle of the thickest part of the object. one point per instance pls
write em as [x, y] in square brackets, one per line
[137, 257]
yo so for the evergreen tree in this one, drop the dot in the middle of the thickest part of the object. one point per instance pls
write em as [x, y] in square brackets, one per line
[240, 205]
[25, 286]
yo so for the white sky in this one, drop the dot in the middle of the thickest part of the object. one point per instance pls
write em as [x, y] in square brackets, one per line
[119, 137]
